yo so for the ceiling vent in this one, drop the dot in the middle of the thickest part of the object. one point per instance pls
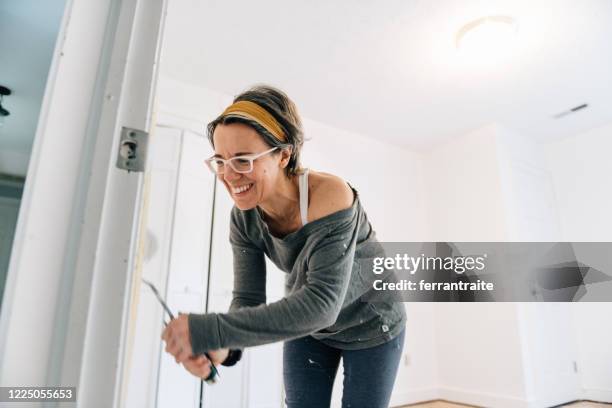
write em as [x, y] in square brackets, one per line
[567, 112]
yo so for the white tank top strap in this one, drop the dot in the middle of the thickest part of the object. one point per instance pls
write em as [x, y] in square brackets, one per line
[303, 186]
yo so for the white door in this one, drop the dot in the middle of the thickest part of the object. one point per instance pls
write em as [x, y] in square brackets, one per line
[178, 199]
[550, 353]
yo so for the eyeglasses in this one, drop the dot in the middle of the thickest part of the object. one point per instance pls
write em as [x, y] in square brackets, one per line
[240, 164]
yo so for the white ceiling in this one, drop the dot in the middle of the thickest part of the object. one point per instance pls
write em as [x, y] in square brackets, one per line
[28, 32]
[389, 68]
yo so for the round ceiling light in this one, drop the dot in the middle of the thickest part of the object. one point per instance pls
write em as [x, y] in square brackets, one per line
[487, 35]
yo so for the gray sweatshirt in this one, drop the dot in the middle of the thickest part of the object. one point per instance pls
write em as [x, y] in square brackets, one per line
[323, 286]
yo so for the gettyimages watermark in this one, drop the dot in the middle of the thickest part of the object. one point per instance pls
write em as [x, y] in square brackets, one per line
[487, 271]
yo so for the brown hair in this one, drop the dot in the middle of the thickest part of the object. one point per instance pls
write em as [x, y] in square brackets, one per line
[278, 104]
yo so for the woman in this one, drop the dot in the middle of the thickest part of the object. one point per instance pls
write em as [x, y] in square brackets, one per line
[310, 224]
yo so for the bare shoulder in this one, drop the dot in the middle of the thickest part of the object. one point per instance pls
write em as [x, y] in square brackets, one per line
[328, 194]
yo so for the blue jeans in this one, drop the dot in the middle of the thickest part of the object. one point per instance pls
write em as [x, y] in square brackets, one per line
[309, 369]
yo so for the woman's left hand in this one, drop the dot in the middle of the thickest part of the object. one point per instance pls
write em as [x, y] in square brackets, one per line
[177, 338]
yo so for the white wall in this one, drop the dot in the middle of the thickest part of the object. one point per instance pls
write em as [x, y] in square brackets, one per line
[463, 187]
[418, 376]
[14, 162]
[530, 207]
[9, 209]
[492, 184]
[388, 178]
[479, 354]
[489, 184]
[477, 345]
[547, 335]
[581, 168]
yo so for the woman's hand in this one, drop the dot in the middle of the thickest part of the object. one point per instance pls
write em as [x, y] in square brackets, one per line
[177, 338]
[178, 343]
[200, 365]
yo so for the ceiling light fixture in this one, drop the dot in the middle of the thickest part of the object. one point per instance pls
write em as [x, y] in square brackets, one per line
[487, 35]
[4, 91]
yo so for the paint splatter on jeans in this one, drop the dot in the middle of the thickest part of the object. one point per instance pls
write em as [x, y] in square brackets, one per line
[309, 369]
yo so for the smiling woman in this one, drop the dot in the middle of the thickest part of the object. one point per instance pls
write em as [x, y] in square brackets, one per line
[312, 225]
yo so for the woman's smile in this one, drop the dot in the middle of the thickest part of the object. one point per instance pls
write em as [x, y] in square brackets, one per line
[242, 190]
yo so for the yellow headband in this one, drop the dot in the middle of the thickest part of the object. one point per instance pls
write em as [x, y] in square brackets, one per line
[251, 110]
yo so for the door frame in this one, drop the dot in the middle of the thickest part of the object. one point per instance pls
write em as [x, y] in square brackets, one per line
[64, 317]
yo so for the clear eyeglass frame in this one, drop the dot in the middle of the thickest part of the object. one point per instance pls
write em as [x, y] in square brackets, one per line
[240, 164]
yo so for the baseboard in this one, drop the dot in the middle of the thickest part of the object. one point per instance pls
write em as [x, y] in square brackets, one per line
[413, 396]
[599, 395]
[459, 396]
[482, 399]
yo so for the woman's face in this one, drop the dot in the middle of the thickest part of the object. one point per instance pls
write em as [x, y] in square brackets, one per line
[238, 139]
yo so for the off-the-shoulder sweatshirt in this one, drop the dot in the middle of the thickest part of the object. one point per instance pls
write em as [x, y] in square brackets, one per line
[323, 286]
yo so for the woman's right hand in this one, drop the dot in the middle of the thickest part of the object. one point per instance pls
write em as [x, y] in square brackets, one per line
[198, 366]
